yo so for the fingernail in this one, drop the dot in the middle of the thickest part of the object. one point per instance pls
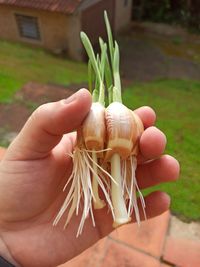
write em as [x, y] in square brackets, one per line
[72, 98]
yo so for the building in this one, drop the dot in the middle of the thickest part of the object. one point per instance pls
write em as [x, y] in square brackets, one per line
[56, 24]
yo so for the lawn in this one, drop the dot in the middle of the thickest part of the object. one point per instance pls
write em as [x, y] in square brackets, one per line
[20, 64]
[176, 103]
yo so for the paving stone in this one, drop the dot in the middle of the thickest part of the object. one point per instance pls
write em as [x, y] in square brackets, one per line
[120, 255]
[91, 257]
[182, 252]
[184, 230]
[149, 237]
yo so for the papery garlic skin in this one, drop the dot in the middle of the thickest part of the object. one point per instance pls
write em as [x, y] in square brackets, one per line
[140, 130]
[94, 133]
[94, 129]
[121, 130]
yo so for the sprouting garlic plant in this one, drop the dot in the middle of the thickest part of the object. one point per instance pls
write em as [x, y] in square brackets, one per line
[105, 157]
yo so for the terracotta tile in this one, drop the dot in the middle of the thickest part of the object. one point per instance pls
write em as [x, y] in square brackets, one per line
[182, 252]
[2, 152]
[149, 237]
[120, 255]
[90, 257]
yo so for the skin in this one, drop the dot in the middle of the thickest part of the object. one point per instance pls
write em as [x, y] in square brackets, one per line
[35, 169]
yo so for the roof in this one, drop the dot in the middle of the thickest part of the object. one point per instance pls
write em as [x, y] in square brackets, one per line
[63, 6]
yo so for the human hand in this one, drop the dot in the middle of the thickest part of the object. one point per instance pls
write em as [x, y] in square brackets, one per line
[34, 171]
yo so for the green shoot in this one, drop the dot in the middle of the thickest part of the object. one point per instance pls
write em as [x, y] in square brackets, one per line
[114, 57]
[117, 80]
[95, 95]
[88, 47]
[107, 73]
[110, 38]
[110, 94]
[90, 76]
[96, 66]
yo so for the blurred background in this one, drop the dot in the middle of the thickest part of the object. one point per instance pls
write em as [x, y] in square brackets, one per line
[42, 59]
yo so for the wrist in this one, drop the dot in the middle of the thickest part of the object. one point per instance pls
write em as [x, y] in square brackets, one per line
[6, 254]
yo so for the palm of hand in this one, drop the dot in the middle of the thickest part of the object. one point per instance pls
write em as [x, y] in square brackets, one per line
[36, 196]
[34, 172]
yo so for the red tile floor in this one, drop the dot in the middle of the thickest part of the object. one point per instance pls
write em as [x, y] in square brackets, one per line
[146, 246]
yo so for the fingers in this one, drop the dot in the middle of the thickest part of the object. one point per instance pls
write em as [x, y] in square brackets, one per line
[67, 144]
[147, 115]
[156, 203]
[152, 143]
[164, 169]
[45, 128]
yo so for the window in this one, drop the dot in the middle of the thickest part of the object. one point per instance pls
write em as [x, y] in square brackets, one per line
[28, 27]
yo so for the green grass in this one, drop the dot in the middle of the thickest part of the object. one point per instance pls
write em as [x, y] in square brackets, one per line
[20, 64]
[176, 103]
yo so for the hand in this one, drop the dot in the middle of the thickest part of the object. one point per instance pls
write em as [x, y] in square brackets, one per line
[33, 173]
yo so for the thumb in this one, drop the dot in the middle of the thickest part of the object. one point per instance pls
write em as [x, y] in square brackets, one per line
[46, 126]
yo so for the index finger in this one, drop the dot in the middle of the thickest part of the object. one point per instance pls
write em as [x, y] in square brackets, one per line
[147, 115]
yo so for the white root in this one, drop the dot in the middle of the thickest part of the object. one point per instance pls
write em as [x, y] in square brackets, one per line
[131, 189]
[83, 189]
[98, 203]
[100, 183]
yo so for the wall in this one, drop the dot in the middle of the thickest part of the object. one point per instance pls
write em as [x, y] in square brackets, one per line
[73, 37]
[122, 14]
[58, 31]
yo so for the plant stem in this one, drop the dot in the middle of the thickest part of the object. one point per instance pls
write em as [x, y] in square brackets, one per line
[88, 47]
[110, 94]
[90, 77]
[102, 72]
[117, 96]
[120, 211]
[110, 38]
[101, 94]
[98, 66]
[95, 95]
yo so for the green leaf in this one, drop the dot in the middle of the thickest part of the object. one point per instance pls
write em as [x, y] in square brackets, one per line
[117, 80]
[90, 76]
[95, 95]
[103, 60]
[108, 73]
[110, 94]
[116, 58]
[88, 47]
[97, 84]
[107, 69]
[101, 43]
[116, 95]
[110, 38]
